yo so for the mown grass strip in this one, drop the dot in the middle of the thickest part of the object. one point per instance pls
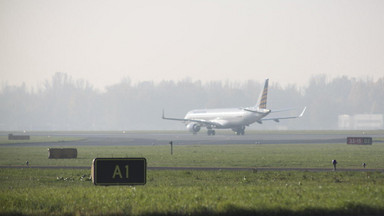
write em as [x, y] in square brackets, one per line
[269, 155]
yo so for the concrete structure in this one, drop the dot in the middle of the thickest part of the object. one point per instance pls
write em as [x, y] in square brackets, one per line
[61, 153]
[18, 137]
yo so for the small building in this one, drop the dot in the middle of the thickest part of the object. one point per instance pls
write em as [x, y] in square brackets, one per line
[361, 122]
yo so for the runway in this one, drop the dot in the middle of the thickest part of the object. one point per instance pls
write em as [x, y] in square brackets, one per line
[158, 138]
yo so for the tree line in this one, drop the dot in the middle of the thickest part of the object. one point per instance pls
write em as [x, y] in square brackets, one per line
[66, 104]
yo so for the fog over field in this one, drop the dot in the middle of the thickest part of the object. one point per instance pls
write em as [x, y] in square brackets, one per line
[64, 103]
[115, 65]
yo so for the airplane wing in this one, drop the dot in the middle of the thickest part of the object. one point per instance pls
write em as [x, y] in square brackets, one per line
[202, 122]
[277, 119]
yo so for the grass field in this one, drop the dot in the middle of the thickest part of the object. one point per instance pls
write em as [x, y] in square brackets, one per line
[269, 155]
[69, 192]
[30, 191]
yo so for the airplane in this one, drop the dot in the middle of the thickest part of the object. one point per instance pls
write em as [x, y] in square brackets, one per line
[233, 118]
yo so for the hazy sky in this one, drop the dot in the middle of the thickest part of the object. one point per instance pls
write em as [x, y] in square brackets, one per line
[237, 40]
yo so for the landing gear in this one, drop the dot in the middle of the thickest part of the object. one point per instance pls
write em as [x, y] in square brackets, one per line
[239, 131]
[211, 132]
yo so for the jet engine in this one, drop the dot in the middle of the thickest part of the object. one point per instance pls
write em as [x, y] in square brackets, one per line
[193, 127]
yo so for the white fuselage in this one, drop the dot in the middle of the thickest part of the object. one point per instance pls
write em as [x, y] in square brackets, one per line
[226, 118]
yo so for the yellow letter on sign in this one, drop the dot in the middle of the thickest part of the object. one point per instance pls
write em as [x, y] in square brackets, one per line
[126, 171]
[117, 172]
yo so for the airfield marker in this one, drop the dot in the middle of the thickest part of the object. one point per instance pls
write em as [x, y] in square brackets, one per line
[119, 171]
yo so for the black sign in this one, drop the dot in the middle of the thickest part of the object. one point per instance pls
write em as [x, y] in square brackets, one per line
[359, 140]
[119, 171]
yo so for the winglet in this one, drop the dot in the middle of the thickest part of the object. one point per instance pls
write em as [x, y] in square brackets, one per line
[302, 113]
[176, 119]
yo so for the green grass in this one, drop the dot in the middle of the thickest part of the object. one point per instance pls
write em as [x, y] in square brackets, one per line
[69, 192]
[269, 155]
[30, 191]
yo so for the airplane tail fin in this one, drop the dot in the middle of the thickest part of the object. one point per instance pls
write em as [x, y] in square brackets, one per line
[262, 101]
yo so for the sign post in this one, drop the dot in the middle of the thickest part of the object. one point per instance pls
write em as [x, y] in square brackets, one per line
[119, 171]
[171, 143]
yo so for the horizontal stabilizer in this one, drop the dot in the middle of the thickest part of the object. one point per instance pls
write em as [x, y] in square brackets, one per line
[259, 111]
